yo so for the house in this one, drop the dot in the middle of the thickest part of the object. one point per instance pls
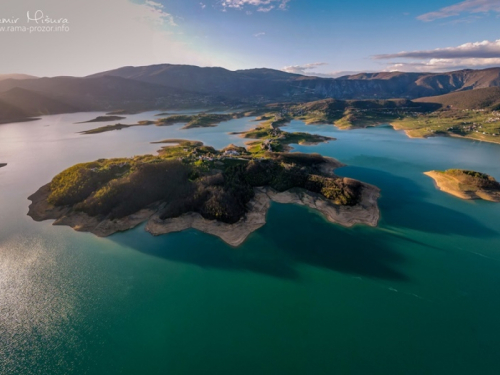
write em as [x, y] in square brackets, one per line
[231, 153]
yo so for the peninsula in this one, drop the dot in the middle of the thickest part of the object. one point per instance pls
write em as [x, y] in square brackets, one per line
[226, 193]
[467, 184]
[3, 165]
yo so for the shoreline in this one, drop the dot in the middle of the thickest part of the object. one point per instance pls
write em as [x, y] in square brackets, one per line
[450, 185]
[398, 128]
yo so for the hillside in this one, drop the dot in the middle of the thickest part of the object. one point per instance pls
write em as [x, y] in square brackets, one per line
[484, 98]
[167, 86]
[277, 85]
[9, 113]
[104, 94]
[34, 103]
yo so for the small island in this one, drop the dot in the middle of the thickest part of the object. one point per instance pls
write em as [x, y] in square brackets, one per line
[103, 119]
[202, 120]
[467, 184]
[270, 138]
[190, 121]
[226, 193]
[109, 128]
[3, 165]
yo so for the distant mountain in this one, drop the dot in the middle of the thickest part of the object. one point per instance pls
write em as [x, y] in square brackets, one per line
[249, 84]
[169, 86]
[100, 94]
[277, 85]
[486, 98]
[10, 113]
[15, 76]
[34, 103]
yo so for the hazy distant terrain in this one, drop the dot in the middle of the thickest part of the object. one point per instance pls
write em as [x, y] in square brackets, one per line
[182, 86]
[15, 76]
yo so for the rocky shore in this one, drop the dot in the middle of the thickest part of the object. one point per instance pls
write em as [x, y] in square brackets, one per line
[365, 212]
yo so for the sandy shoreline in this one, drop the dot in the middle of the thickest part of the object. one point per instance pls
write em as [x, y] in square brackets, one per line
[452, 186]
[365, 212]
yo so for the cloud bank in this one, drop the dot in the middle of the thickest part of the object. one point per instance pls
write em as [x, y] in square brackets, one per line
[468, 6]
[303, 69]
[482, 50]
[477, 55]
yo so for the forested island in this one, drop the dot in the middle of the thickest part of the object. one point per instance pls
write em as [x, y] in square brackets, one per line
[466, 184]
[189, 185]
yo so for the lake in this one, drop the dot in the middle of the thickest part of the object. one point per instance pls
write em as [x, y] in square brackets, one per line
[419, 294]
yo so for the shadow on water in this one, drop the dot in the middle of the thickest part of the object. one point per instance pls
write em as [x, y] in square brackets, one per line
[310, 239]
[403, 204]
[206, 251]
[293, 236]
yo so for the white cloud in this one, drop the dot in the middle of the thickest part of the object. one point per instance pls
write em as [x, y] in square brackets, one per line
[303, 69]
[444, 65]
[203, 6]
[258, 35]
[153, 12]
[483, 54]
[480, 50]
[261, 5]
[468, 6]
[265, 10]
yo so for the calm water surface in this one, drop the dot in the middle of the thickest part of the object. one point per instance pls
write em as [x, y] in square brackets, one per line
[420, 294]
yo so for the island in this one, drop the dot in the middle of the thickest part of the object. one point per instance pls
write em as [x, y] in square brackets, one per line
[466, 184]
[106, 128]
[269, 137]
[226, 193]
[201, 120]
[3, 165]
[191, 121]
[118, 126]
[103, 119]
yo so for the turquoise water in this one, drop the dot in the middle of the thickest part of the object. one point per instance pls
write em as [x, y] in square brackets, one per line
[417, 295]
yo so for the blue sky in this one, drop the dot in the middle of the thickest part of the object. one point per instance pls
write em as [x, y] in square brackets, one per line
[337, 36]
[326, 37]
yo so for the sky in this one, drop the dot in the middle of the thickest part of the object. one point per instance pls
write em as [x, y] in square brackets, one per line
[314, 37]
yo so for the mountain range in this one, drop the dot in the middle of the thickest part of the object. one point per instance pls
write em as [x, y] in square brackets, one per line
[180, 86]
